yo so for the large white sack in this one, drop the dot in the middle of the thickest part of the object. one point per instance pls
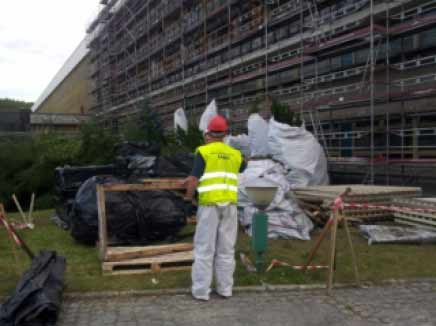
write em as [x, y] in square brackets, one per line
[281, 224]
[180, 120]
[300, 152]
[210, 112]
[258, 135]
[268, 170]
[240, 142]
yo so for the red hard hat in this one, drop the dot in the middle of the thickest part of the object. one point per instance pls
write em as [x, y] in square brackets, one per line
[217, 124]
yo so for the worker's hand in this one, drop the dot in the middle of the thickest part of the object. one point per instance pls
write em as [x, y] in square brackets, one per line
[191, 185]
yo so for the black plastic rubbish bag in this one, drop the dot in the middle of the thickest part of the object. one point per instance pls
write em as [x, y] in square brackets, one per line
[142, 160]
[38, 295]
[132, 217]
[68, 180]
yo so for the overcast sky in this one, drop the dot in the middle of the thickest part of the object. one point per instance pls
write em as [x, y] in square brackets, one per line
[36, 38]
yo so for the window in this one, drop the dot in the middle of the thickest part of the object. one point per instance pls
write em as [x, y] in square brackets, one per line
[347, 60]
[428, 38]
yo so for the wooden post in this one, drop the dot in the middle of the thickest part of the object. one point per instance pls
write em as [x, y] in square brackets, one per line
[322, 236]
[353, 253]
[13, 249]
[102, 222]
[17, 203]
[332, 253]
[32, 205]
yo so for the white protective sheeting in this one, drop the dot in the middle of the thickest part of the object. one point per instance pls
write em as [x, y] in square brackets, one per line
[300, 152]
[210, 112]
[180, 120]
[258, 136]
[240, 142]
[286, 219]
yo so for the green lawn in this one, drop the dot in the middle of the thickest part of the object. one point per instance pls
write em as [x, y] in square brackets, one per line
[376, 262]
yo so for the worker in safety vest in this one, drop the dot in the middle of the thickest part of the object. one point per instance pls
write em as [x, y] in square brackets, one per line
[215, 176]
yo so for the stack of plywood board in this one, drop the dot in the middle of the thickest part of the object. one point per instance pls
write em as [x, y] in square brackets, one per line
[317, 200]
[419, 212]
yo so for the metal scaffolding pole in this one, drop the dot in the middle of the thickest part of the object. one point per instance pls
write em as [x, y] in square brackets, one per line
[266, 49]
[372, 63]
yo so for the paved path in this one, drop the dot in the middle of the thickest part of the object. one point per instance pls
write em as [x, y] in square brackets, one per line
[411, 304]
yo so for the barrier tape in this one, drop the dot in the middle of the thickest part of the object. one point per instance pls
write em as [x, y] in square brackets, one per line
[339, 204]
[276, 262]
[10, 231]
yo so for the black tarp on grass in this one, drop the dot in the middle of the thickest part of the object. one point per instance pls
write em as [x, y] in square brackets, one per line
[38, 295]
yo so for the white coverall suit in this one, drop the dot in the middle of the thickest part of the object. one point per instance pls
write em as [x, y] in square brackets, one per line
[214, 243]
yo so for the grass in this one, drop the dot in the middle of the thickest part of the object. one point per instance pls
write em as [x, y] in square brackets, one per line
[376, 263]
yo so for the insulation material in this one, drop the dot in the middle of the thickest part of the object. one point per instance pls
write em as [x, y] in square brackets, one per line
[286, 220]
[258, 136]
[240, 142]
[180, 120]
[210, 112]
[300, 152]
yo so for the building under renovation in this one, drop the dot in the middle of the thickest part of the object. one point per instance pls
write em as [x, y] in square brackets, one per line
[360, 72]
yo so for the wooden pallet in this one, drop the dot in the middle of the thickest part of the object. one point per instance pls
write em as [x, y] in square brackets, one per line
[170, 262]
[117, 254]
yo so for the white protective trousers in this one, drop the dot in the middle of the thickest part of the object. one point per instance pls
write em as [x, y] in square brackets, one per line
[214, 250]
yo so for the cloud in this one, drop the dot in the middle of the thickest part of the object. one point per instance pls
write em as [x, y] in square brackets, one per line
[36, 38]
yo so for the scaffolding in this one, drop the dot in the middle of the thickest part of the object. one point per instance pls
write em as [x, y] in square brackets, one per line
[358, 68]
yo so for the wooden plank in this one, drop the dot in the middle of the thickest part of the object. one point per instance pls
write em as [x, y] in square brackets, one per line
[169, 262]
[416, 219]
[416, 224]
[148, 184]
[102, 222]
[125, 253]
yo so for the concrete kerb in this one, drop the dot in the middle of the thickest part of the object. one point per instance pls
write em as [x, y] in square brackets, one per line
[239, 289]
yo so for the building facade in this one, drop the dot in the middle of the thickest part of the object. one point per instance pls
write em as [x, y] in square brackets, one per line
[360, 72]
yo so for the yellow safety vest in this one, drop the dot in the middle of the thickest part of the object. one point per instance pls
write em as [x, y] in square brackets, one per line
[219, 183]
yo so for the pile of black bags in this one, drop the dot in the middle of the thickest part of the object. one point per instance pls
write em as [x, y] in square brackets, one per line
[133, 217]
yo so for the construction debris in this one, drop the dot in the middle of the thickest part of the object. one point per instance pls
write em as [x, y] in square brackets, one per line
[371, 202]
[420, 212]
[249, 267]
[396, 234]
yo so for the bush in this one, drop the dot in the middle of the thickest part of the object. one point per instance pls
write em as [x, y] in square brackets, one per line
[28, 164]
[282, 114]
[144, 126]
[97, 145]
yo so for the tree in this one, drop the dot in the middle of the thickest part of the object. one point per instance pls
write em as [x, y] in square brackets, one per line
[6, 103]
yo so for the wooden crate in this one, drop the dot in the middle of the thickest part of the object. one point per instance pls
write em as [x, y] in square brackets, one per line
[147, 185]
[170, 262]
